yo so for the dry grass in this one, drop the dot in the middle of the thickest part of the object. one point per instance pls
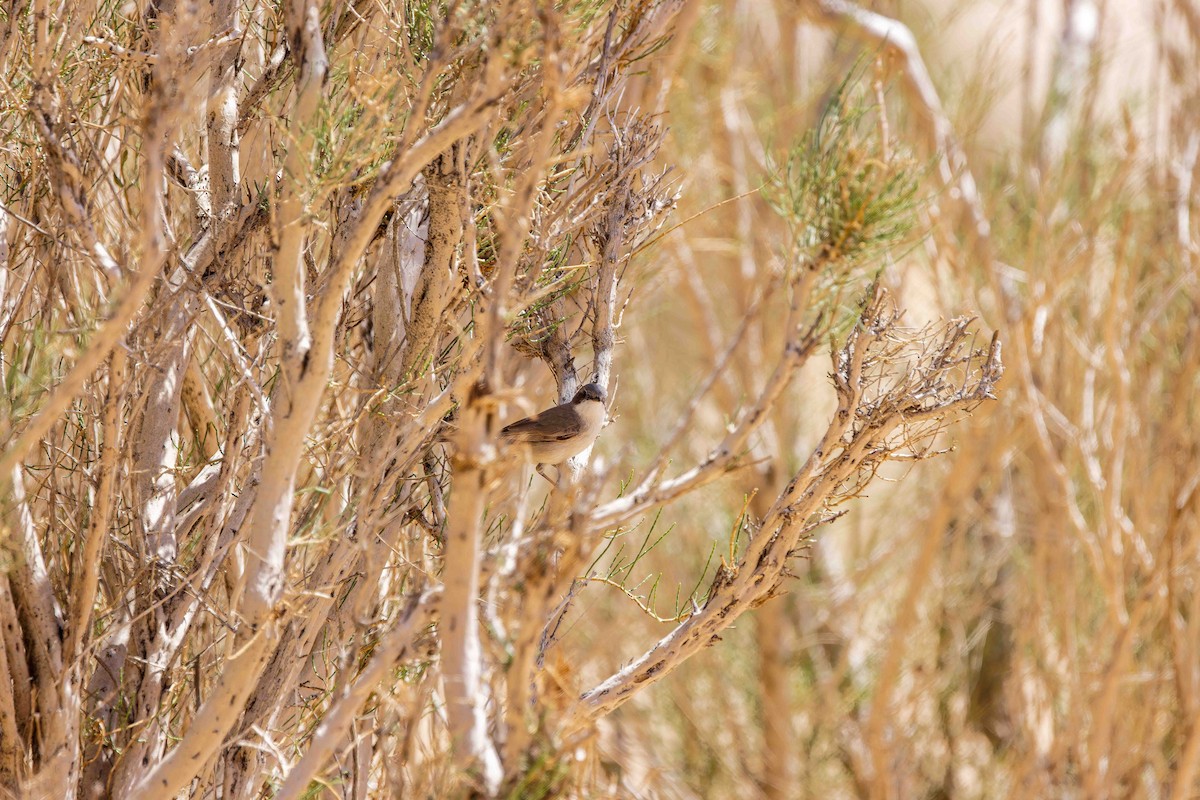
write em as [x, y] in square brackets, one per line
[257, 541]
[1017, 619]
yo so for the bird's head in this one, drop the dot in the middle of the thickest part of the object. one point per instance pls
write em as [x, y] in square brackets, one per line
[591, 391]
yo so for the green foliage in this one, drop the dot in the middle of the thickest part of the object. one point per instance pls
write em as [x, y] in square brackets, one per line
[37, 362]
[422, 20]
[543, 778]
[357, 124]
[846, 194]
[583, 12]
[620, 567]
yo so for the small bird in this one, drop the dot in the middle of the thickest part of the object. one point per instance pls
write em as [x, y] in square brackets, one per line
[556, 434]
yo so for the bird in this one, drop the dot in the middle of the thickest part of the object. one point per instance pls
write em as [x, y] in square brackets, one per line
[554, 435]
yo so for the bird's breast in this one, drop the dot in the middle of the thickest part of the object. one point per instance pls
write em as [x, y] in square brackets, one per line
[592, 412]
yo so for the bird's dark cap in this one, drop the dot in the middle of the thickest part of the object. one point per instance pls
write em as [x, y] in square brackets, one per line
[591, 391]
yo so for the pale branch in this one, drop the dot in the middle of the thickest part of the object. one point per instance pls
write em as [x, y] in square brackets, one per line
[17, 659]
[87, 576]
[153, 442]
[517, 206]
[446, 182]
[614, 211]
[395, 177]
[303, 384]
[604, 298]
[894, 35]
[953, 168]
[346, 704]
[288, 287]
[39, 611]
[180, 170]
[224, 180]
[653, 491]
[952, 377]
[554, 347]
[100, 346]
[547, 561]
[473, 750]
[236, 355]
[11, 755]
[199, 409]
[252, 106]
[240, 437]
[109, 334]
[312, 618]
[210, 722]
[303, 379]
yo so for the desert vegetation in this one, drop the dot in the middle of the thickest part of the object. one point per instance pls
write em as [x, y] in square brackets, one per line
[897, 497]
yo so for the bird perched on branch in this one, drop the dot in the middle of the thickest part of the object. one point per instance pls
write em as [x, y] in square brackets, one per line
[554, 435]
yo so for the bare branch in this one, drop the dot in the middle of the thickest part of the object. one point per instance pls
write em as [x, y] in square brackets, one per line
[872, 404]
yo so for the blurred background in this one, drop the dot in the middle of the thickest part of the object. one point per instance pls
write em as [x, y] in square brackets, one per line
[1019, 616]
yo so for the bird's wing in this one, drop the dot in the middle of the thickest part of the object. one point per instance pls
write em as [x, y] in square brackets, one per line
[551, 425]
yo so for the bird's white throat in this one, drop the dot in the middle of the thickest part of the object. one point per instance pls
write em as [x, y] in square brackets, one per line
[593, 415]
